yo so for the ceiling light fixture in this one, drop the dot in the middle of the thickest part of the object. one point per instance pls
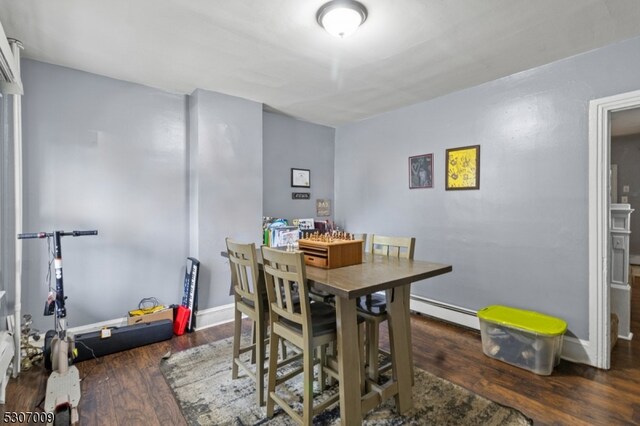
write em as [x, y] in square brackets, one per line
[342, 18]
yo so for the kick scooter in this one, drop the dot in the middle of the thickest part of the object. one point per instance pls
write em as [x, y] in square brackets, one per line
[63, 385]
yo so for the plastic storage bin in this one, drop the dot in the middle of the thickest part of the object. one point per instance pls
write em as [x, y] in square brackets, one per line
[526, 339]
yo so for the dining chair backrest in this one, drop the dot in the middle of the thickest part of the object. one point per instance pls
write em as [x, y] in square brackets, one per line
[245, 275]
[286, 283]
[392, 246]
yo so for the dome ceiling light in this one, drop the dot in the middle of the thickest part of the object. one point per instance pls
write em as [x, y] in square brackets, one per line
[341, 18]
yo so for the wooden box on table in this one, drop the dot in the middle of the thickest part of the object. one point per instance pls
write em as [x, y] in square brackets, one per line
[329, 255]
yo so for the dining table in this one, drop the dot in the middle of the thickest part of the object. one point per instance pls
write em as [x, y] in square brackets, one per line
[376, 273]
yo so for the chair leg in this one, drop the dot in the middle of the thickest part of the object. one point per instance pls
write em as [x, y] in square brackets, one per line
[331, 349]
[284, 350]
[237, 329]
[361, 338]
[273, 366]
[411, 365]
[322, 375]
[373, 337]
[260, 355]
[307, 392]
[253, 342]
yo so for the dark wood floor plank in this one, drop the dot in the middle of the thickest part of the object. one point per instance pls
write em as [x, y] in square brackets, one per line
[164, 404]
[129, 392]
[97, 404]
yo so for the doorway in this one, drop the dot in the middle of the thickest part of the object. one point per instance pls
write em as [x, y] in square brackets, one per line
[601, 112]
[625, 222]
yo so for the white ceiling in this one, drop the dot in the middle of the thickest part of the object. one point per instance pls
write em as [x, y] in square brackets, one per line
[274, 52]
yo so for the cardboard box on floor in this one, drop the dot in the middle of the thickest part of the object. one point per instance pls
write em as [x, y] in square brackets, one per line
[155, 316]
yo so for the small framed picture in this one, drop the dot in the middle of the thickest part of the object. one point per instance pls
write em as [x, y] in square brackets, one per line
[300, 178]
[463, 168]
[323, 207]
[421, 171]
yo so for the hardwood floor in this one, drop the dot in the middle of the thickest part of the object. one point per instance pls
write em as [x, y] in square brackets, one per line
[128, 388]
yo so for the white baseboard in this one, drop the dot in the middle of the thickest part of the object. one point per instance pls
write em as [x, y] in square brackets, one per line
[445, 311]
[204, 319]
[626, 337]
[214, 316]
[573, 349]
[578, 350]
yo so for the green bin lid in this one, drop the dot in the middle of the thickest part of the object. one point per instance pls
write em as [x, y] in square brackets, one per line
[524, 320]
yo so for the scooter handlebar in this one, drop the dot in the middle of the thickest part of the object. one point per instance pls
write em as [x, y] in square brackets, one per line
[81, 233]
[29, 235]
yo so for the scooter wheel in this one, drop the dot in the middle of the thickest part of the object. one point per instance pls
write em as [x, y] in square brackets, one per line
[47, 349]
[62, 417]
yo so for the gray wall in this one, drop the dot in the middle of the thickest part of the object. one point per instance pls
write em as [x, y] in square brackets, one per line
[161, 176]
[108, 155]
[290, 143]
[522, 238]
[625, 152]
[225, 169]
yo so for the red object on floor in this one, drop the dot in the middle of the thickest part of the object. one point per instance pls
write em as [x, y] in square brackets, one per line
[182, 318]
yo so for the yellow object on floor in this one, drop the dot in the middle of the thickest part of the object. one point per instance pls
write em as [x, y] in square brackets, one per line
[145, 311]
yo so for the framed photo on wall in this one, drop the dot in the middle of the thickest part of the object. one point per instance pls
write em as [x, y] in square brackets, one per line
[300, 178]
[421, 171]
[463, 168]
[323, 207]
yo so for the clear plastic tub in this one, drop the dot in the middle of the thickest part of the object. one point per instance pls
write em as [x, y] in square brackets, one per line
[526, 339]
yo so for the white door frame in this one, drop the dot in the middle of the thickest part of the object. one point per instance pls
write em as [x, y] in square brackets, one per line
[599, 163]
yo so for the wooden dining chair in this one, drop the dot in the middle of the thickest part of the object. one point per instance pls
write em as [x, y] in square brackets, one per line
[306, 325]
[249, 299]
[373, 307]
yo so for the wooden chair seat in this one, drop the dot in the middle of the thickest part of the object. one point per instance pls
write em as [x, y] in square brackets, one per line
[373, 304]
[248, 302]
[321, 296]
[323, 317]
[323, 320]
[265, 300]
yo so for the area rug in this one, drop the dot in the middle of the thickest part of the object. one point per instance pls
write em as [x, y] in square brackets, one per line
[200, 379]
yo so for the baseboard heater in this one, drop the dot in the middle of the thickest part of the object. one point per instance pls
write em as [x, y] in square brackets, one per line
[116, 339]
[445, 311]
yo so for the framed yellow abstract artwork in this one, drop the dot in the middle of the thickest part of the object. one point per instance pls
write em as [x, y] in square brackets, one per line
[463, 168]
